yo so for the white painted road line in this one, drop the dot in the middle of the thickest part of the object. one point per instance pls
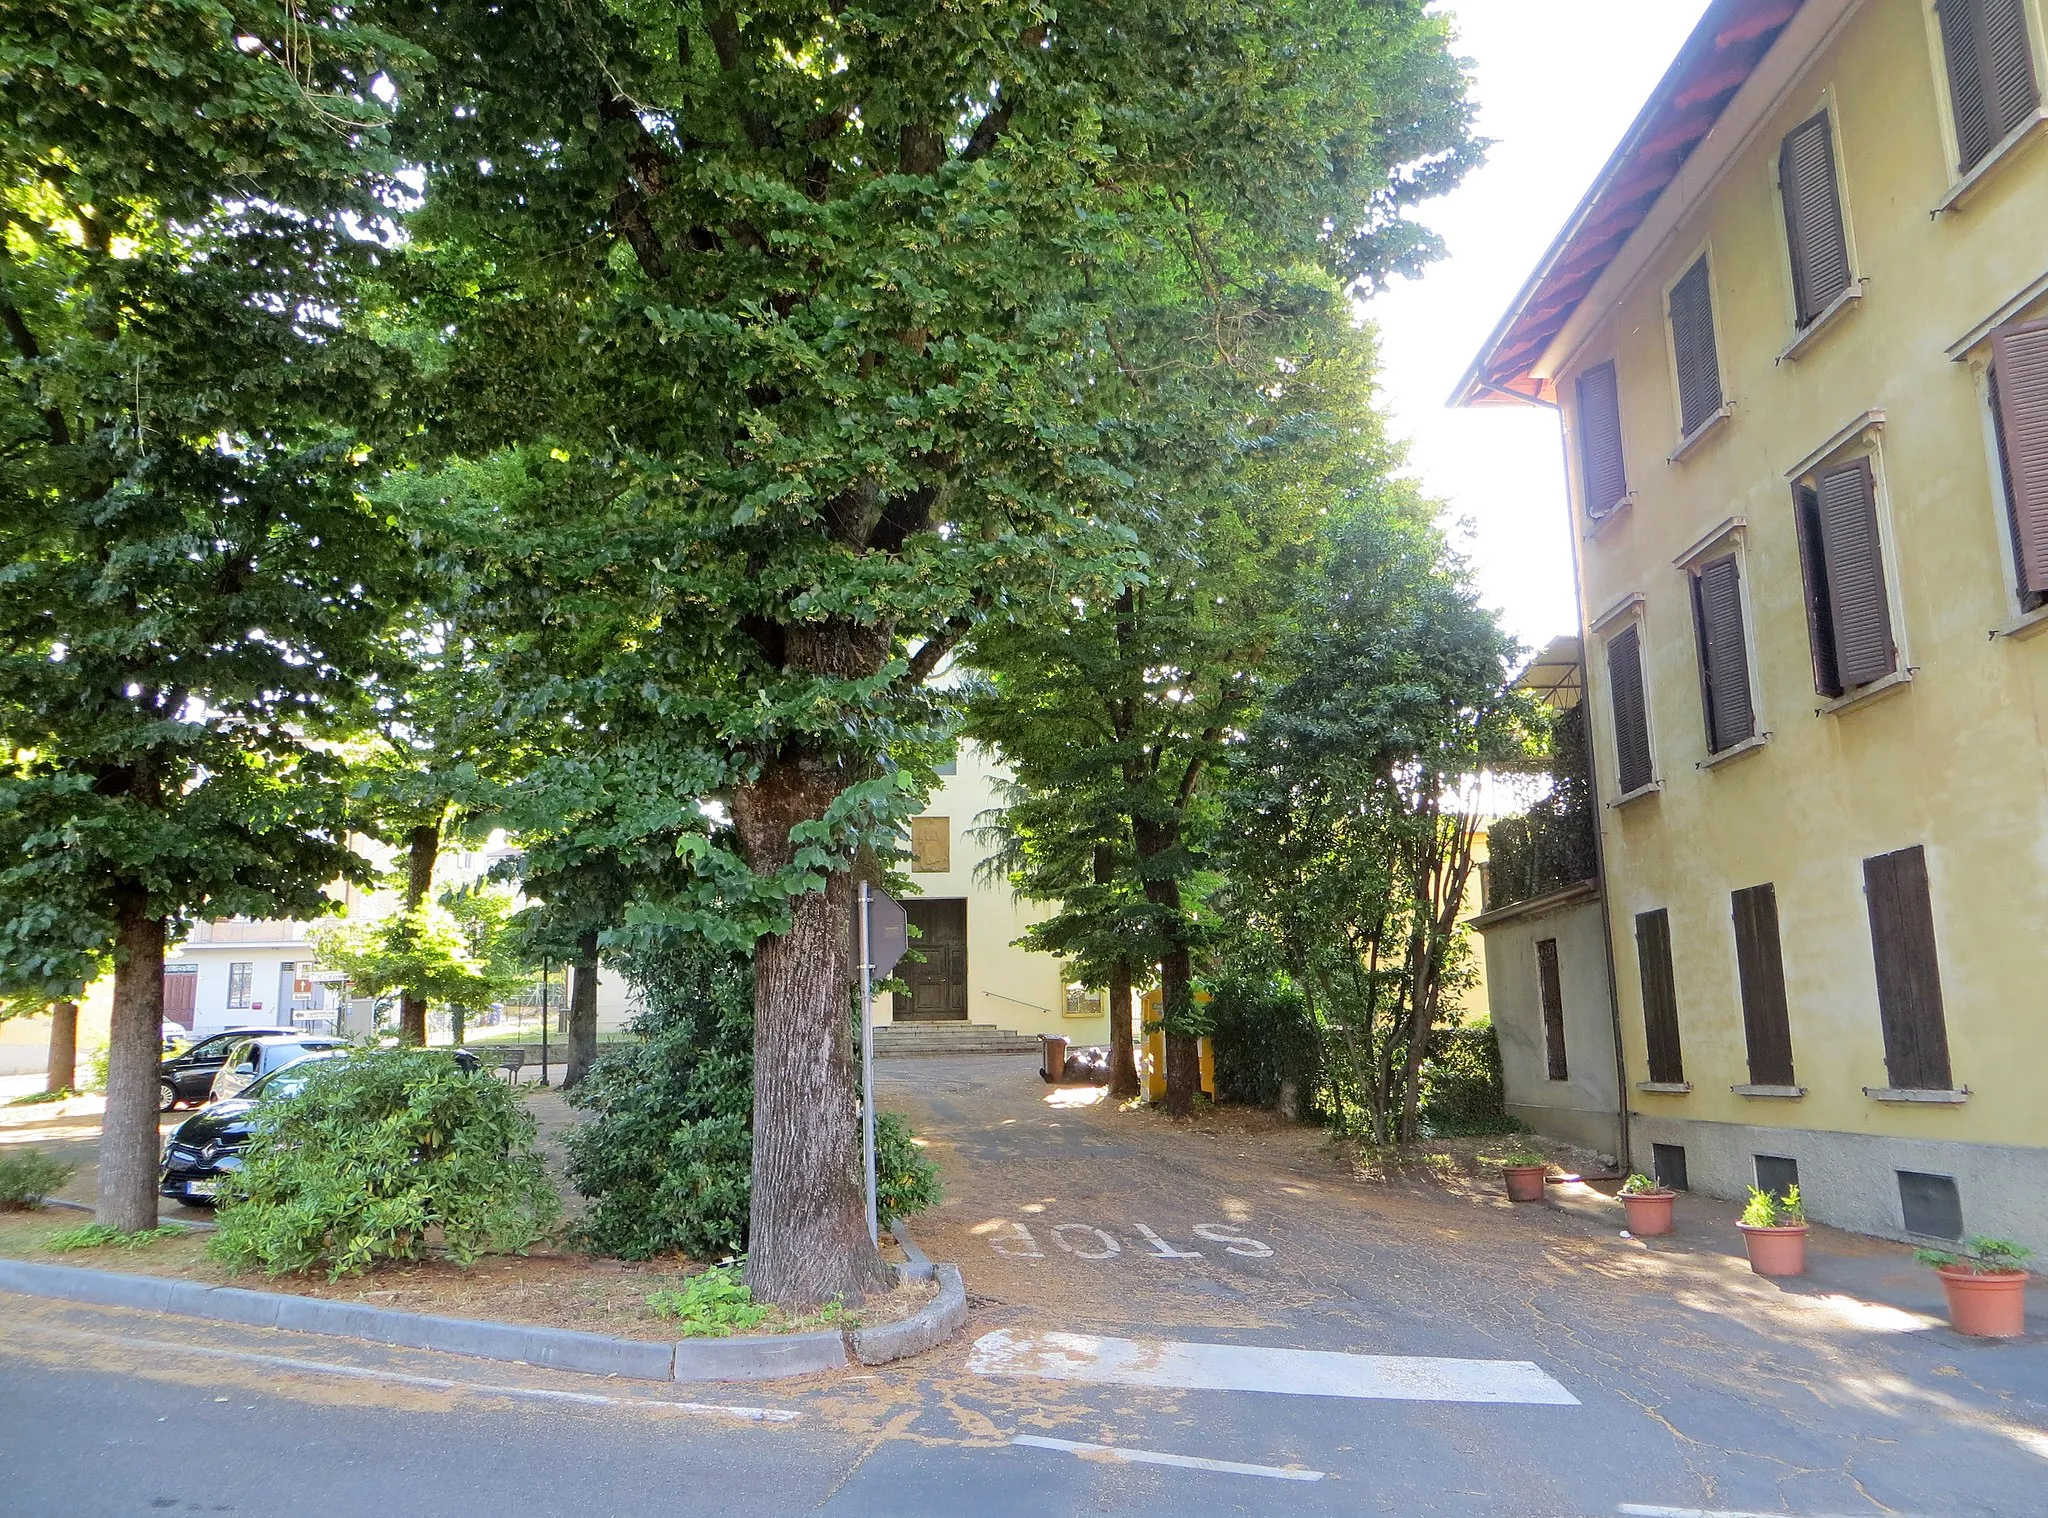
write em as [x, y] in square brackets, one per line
[1154, 1457]
[437, 1383]
[1642, 1510]
[1241, 1367]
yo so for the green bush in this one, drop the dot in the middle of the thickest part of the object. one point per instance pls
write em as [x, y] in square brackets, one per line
[906, 1181]
[380, 1156]
[28, 1177]
[667, 1154]
[1462, 1089]
[1264, 1037]
[711, 1305]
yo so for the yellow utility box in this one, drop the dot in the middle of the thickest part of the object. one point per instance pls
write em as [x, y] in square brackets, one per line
[1152, 1067]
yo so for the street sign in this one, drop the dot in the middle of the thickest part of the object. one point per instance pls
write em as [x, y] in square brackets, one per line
[888, 933]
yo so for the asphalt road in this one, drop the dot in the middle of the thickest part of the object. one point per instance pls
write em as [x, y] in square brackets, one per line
[1688, 1386]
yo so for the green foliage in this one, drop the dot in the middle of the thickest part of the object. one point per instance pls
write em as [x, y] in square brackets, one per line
[1979, 1255]
[28, 1175]
[1265, 1037]
[666, 1154]
[1639, 1184]
[38, 1098]
[380, 1155]
[96, 1064]
[1770, 1209]
[712, 1304]
[906, 1181]
[1463, 1090]
[1518, 1158]
[431, 950]
[99, 1235]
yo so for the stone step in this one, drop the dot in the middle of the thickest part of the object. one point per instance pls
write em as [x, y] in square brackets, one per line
[951, 1038]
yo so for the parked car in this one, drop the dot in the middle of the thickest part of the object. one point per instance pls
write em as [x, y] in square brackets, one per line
[254, 1057]
[209, 1144]
[188, 1076]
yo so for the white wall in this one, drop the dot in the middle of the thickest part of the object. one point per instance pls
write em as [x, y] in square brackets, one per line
[1584, 1108]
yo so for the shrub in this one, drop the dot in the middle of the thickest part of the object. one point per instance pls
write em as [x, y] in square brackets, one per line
[1980, 1256]
[1766, 1209]
[906, 1181]
[1264, 1038]
[28, 1177]
[1639, 1185]
[1462, 1088]
[667, 1155]
[378, 1154]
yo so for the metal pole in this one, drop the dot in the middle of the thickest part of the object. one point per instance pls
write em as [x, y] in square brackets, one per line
[543, 1021]
[867, 1062]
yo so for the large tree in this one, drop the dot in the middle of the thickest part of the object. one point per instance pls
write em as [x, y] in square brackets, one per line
[192, 577]
[791, 312]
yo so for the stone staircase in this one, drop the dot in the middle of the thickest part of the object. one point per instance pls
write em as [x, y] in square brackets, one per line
[895, 1039]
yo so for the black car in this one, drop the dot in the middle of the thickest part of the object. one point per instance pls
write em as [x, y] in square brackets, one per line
[187, 1077]
[209, 1143]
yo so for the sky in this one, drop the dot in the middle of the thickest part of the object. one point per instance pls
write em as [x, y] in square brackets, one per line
[1557, 83]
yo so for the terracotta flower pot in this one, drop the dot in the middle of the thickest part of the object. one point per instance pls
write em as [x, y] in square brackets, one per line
[1649, 1212]
[1525, 1182]
[1989, 1305]
[1776, 1251]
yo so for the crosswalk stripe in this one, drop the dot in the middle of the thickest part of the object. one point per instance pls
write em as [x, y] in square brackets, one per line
[1126, 1456]
[1243, 1367]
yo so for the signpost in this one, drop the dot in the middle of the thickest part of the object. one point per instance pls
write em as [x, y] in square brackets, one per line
[884, 936]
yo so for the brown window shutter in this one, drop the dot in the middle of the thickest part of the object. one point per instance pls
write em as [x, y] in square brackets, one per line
[1631, 714]
[1692, 340]
[2008, 61]
[1552, 989]
[1813, 217]
[2020, 395]
[1660, 995]
[1760, 965]
[1959, 29]
[1859, 608]
[1724, 653]
[1819, 615]
[1908, 977]
[1600, 462]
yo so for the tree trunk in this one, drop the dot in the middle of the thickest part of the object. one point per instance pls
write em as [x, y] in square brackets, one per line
[128, 1136]
[582, 1012]
[808, 1235]
[1183, 1050]
[422, 849]
[458, 1025]
[1123, 1053]
[63, 1047]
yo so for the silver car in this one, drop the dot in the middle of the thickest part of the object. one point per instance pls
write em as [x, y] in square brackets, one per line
[254, 1058]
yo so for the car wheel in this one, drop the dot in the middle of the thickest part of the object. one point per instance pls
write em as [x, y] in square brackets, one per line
[166, 1096]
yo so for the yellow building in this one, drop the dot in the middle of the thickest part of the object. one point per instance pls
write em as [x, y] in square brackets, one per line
[973, 974]
[1798, 336]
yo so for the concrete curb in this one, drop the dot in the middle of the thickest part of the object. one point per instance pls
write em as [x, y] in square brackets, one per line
[920, 1266]
[743, 1357]
[914, 1335]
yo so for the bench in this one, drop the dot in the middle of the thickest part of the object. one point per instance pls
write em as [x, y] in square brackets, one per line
[510, 1061]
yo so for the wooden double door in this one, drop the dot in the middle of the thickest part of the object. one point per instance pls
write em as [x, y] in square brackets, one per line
[938, 986]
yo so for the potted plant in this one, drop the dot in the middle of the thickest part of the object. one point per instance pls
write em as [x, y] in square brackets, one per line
[1524, 1172]
[1986, 1286]
[1648, 1206]
[1774, 1232]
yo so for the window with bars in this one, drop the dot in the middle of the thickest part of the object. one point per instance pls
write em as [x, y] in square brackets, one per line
[1724, 653]
[1989, 56]
[1848, 608]
[1816, 232]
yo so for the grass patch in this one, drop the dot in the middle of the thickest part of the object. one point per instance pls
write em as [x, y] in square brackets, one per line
[99, 1235]
[718, 1303]
[37, 1098]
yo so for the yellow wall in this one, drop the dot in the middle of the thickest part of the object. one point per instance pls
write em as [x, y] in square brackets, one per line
[1007, 987]
[1956, 760]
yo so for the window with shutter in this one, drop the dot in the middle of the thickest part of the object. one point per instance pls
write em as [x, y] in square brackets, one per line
[1631, 712]
[2019, 400]
[1991, 84]
[1724, 653]
[1814, 228]
[1908, 978]
[1660, 996]
[1847, 606]
[1760, 967]
[1692, 344]
[1600, 463]
[1551, 988]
